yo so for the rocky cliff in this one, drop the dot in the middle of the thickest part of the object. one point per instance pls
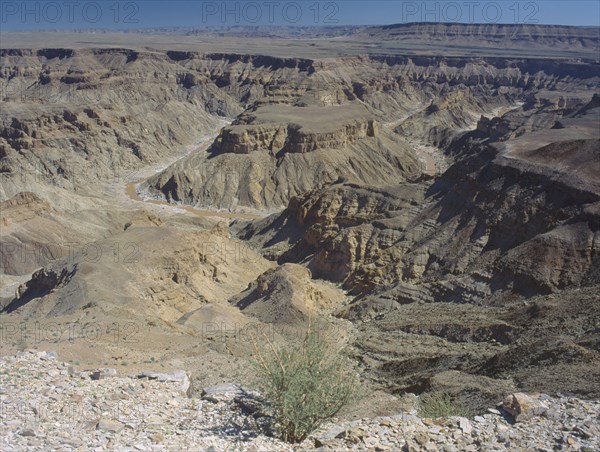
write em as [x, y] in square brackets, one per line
[494, 215]
[291, 138]
[74, 117]
[432, 99]
[514, 220]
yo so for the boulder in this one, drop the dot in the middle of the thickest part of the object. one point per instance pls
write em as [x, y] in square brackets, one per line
[522, 406]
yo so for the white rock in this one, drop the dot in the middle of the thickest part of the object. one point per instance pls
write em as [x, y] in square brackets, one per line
[465, 425]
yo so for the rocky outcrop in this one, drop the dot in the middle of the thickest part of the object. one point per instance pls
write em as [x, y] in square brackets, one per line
[42, 283]
[95, 115]
[429, 98]
[495, 35]
[261, 180]
[22, 207]
[493, 222]
[109, 110]
[485, 40]
[243, 140]
[203, 266]
[440, 270]
[522, 406]
[290, 138]
[493, 127]
[285, 295]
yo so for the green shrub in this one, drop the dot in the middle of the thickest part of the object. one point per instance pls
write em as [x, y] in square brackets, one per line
[306, 384]
[441, 404]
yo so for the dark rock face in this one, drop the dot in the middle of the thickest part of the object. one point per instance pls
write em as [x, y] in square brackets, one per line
[42, 283]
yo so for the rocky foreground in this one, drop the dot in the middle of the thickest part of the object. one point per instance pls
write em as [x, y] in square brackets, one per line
[47, 405]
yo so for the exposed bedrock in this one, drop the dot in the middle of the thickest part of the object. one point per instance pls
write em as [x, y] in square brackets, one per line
[72, 117]
[362, 109]
[292, 138]
[520, 219]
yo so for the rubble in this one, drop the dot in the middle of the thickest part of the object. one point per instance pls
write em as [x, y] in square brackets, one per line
[46, 407]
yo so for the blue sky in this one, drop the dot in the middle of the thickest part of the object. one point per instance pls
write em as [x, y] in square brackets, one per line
[122, 14]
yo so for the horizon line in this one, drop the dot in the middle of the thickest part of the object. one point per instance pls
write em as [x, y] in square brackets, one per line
[278, 26]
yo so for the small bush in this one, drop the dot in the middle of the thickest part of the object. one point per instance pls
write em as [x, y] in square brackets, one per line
[440, 404]
[306, 384]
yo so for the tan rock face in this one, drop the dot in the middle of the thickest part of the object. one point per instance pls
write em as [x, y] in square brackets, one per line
[125, 271]
[373, 245]
[75, 118]
[243, 140]
[295, 144]
[22, 207]
[286, 295]
[292, 138]
[128, 107]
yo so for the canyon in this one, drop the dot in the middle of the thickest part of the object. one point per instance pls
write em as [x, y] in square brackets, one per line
[428, 195]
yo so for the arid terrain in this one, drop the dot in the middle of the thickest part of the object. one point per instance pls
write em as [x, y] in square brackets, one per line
[428, 195]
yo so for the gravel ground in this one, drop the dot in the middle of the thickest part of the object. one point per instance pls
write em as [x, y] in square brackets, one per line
[47, 406]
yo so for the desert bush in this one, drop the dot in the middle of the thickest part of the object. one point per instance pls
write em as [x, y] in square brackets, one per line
[306, 384]
[441, 404]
